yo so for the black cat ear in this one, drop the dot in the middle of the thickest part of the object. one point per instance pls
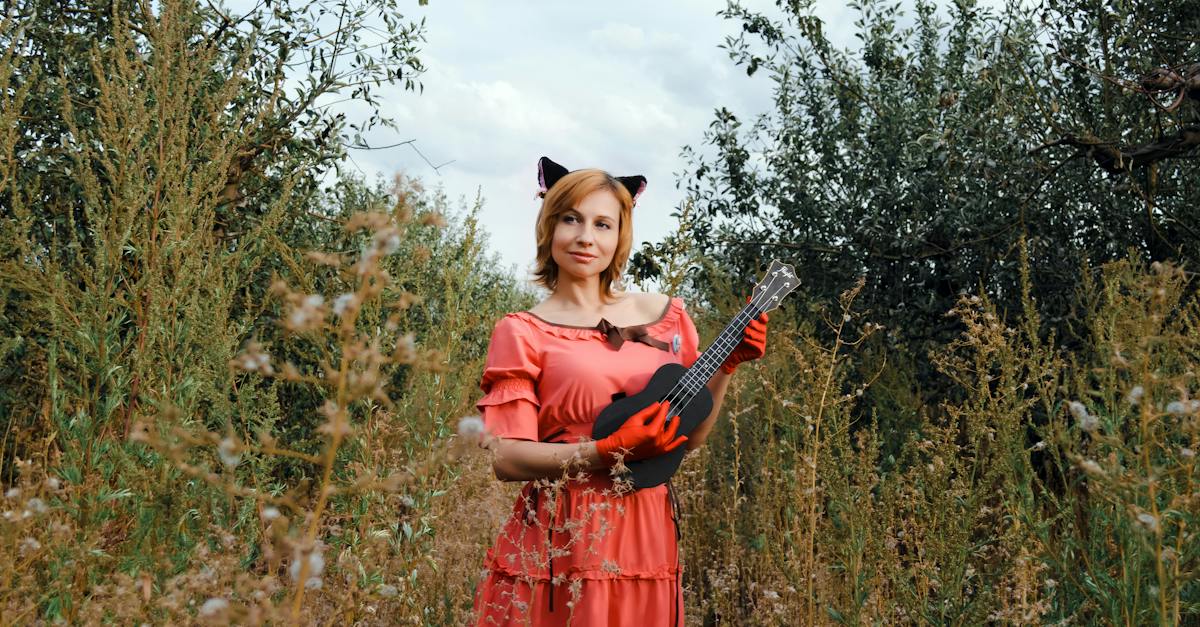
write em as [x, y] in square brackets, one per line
[635, 184]
[548, 174]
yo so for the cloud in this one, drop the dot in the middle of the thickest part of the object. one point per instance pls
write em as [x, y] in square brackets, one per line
[508, 83]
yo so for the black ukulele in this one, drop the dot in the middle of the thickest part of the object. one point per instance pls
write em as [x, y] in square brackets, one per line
[685, 388]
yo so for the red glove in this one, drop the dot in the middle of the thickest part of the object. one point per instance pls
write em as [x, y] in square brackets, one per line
[642, 435]
[752, 346]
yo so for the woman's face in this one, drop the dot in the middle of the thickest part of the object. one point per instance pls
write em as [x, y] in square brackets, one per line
[585, 237]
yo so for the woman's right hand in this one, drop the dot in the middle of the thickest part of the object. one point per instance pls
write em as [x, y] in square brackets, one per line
[642, 436]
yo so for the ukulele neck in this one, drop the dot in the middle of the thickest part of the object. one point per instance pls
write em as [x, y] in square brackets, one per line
[707, 363]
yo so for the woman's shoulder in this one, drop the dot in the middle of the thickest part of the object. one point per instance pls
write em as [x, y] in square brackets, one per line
[652, 306]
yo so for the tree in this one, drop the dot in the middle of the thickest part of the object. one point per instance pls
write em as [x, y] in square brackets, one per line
[924, 158]
[156, 163]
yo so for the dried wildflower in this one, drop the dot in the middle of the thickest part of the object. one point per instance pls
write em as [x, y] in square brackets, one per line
[290, 373]
[12, 493]
[1135, 395]
[369, 260]
[345, 303]
[1181, 408]
[1148, 521]
[1087, 422]
[36, 505]
[308, 314]
[1091, 468]
[52, 483]
[407, 299]
[214, 607]
[406, 349]
[1041, 444]
[29, 545]
[139, 432]
[470, 427]
[387, 241]
[338, 423]
[230, 452]
[372, 220]
[326, 259]
[388, 590]
[270, 513]
[254, 359]
[433, 218]
[316, 565]
[1187, 453]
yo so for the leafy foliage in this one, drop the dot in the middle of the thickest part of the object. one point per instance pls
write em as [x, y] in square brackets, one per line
[921, 158]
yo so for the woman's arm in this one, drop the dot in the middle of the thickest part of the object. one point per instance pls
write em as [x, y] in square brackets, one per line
[522, 460]
[716, 386]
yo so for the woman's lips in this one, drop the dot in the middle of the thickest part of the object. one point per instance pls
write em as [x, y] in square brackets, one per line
[582, 258]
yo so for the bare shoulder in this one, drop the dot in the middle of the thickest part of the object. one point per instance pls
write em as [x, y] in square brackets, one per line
[651, 305]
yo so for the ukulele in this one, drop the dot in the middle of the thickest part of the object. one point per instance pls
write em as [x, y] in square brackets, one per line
[691, 402]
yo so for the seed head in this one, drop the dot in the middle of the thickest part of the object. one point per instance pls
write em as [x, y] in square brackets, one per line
[316, 565]
[1135, 395]
[229, 452]
[470, 427]
[1087, 422]
[214, 607]
[345, 303]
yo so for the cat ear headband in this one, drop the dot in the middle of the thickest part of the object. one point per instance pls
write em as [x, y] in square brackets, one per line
[550, 172]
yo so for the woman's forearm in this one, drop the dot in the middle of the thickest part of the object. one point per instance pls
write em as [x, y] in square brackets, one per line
[522, 460]
[716, 386]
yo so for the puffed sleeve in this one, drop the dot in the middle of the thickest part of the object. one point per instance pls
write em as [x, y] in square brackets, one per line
[509, 407]
[689, 339]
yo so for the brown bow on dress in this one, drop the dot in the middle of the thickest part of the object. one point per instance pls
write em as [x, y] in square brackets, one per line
[617, 335]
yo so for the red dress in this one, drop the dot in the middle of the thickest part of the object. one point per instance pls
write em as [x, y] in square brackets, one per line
[615, 556]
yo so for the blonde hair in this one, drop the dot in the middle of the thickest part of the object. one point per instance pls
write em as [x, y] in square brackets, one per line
[566, 194]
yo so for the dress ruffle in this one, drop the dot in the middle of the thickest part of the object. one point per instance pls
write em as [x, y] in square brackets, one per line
[587, 545]
[668, 318]
[507, 390]
[504, 600]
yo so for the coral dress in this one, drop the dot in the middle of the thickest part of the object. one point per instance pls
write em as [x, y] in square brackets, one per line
[613, 557]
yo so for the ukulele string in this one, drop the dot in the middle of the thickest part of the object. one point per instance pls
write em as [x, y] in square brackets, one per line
[751, 311]
[682, 390]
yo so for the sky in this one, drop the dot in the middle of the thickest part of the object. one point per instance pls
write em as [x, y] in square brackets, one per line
[619, 85]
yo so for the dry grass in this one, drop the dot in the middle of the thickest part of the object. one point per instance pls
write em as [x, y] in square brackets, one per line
[267, 433]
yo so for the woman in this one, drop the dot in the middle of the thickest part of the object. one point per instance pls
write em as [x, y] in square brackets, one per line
[576, 550]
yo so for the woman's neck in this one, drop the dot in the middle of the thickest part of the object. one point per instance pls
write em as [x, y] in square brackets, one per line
[584, 296]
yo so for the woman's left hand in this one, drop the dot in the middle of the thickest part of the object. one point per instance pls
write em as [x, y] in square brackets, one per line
[752, 346]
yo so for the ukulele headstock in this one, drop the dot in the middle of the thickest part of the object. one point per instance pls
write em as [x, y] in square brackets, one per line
[779, 280]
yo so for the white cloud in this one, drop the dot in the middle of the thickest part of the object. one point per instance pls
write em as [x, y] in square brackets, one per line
[509, 82]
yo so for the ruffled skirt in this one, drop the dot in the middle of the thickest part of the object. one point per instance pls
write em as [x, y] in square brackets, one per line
[613, 559]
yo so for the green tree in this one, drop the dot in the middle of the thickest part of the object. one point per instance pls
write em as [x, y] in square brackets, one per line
[156, 164]
[923, 156]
